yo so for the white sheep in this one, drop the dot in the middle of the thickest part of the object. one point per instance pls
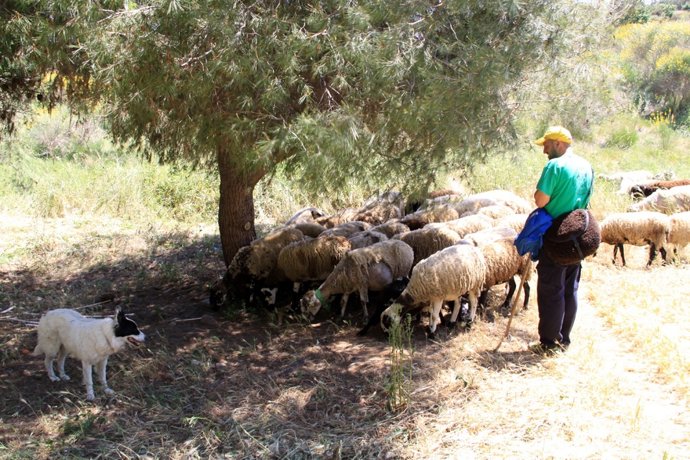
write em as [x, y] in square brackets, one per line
[679, 236]
[444, 276]
[503, 263]
[668, 201]
[428, 240]
[371, 268]
[514, 221]
[636, 228]
[465, 225]
[473, 203]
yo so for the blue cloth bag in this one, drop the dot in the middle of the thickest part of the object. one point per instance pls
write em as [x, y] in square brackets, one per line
[530, 239]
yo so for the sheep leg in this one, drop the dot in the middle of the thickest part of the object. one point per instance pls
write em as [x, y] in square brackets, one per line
[435, 318]
[364, 300]
[505, 307]
[457, 308]
[652, 254]
[474, 300]
[343, 304]
[526, 289]
[662, 250]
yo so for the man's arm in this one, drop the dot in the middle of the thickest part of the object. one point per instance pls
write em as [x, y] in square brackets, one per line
[541, 199]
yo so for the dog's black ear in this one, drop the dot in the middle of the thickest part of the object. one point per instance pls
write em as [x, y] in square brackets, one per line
[119, 315]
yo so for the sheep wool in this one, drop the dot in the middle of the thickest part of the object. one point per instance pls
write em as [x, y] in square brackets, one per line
[679, 236]
[668, 201]
[353, 270]
[636, 228]
[429, 240]
[446, 275]
[312, 259]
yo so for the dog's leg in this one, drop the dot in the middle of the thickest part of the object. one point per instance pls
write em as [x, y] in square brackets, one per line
[49, 368]
[62, 356]
[88, 382]
[101, 369]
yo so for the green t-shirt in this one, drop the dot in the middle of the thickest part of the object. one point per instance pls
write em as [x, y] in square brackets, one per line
[567, 181]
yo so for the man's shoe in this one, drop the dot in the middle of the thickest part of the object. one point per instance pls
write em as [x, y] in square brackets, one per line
[545, 349]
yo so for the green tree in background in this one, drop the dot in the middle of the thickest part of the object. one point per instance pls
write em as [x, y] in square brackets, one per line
[385, 91]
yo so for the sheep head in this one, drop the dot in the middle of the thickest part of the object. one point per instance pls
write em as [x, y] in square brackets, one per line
[391, 317]
[311, 302]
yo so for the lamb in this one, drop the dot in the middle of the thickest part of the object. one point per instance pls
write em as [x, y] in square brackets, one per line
[679, 236]
[503, 263]
[636, 228]
[444, 276]
[673, 200]
[426, 241]
[371, 268]
[645, 189]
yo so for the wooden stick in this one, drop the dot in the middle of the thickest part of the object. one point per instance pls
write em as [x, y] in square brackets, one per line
[513, 302]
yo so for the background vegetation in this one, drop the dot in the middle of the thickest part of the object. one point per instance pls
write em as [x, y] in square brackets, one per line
[86, 220]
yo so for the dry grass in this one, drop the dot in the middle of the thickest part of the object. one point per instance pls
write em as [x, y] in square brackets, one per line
[208, 385]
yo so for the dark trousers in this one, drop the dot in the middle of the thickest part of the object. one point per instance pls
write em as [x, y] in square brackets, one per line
[557, 299]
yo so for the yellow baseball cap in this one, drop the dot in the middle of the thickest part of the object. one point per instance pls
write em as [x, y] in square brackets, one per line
[556, 133]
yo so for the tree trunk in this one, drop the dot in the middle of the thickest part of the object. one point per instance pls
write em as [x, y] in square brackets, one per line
[236, 207]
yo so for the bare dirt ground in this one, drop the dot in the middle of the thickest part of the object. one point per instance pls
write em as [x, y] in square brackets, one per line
[219, 385]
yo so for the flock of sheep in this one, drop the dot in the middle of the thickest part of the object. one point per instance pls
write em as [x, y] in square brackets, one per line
[451, 249]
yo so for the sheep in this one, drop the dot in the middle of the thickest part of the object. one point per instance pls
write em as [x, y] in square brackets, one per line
[464, 225]
[645, 189]
[312, 259]
[426, 241]
[371, 268]
[679, 236]
[366, 238]
[305, 215]
[627, 179]
[503, 263]
[311, 229]
[444, 276]
[391, 228]
[342, 216]
[495, 211]
[347, 229]
[438, 213]
[474, 203]
[253, 266]
[676, 199]
[636, 228]
[514, 221]
[381, 208]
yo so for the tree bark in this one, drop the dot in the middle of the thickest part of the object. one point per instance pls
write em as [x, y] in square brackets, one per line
[236, 207]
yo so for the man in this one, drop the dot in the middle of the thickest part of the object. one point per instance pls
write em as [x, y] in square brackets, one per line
[565, 185]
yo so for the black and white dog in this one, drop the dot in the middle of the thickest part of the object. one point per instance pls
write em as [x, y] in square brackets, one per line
[64, 332]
